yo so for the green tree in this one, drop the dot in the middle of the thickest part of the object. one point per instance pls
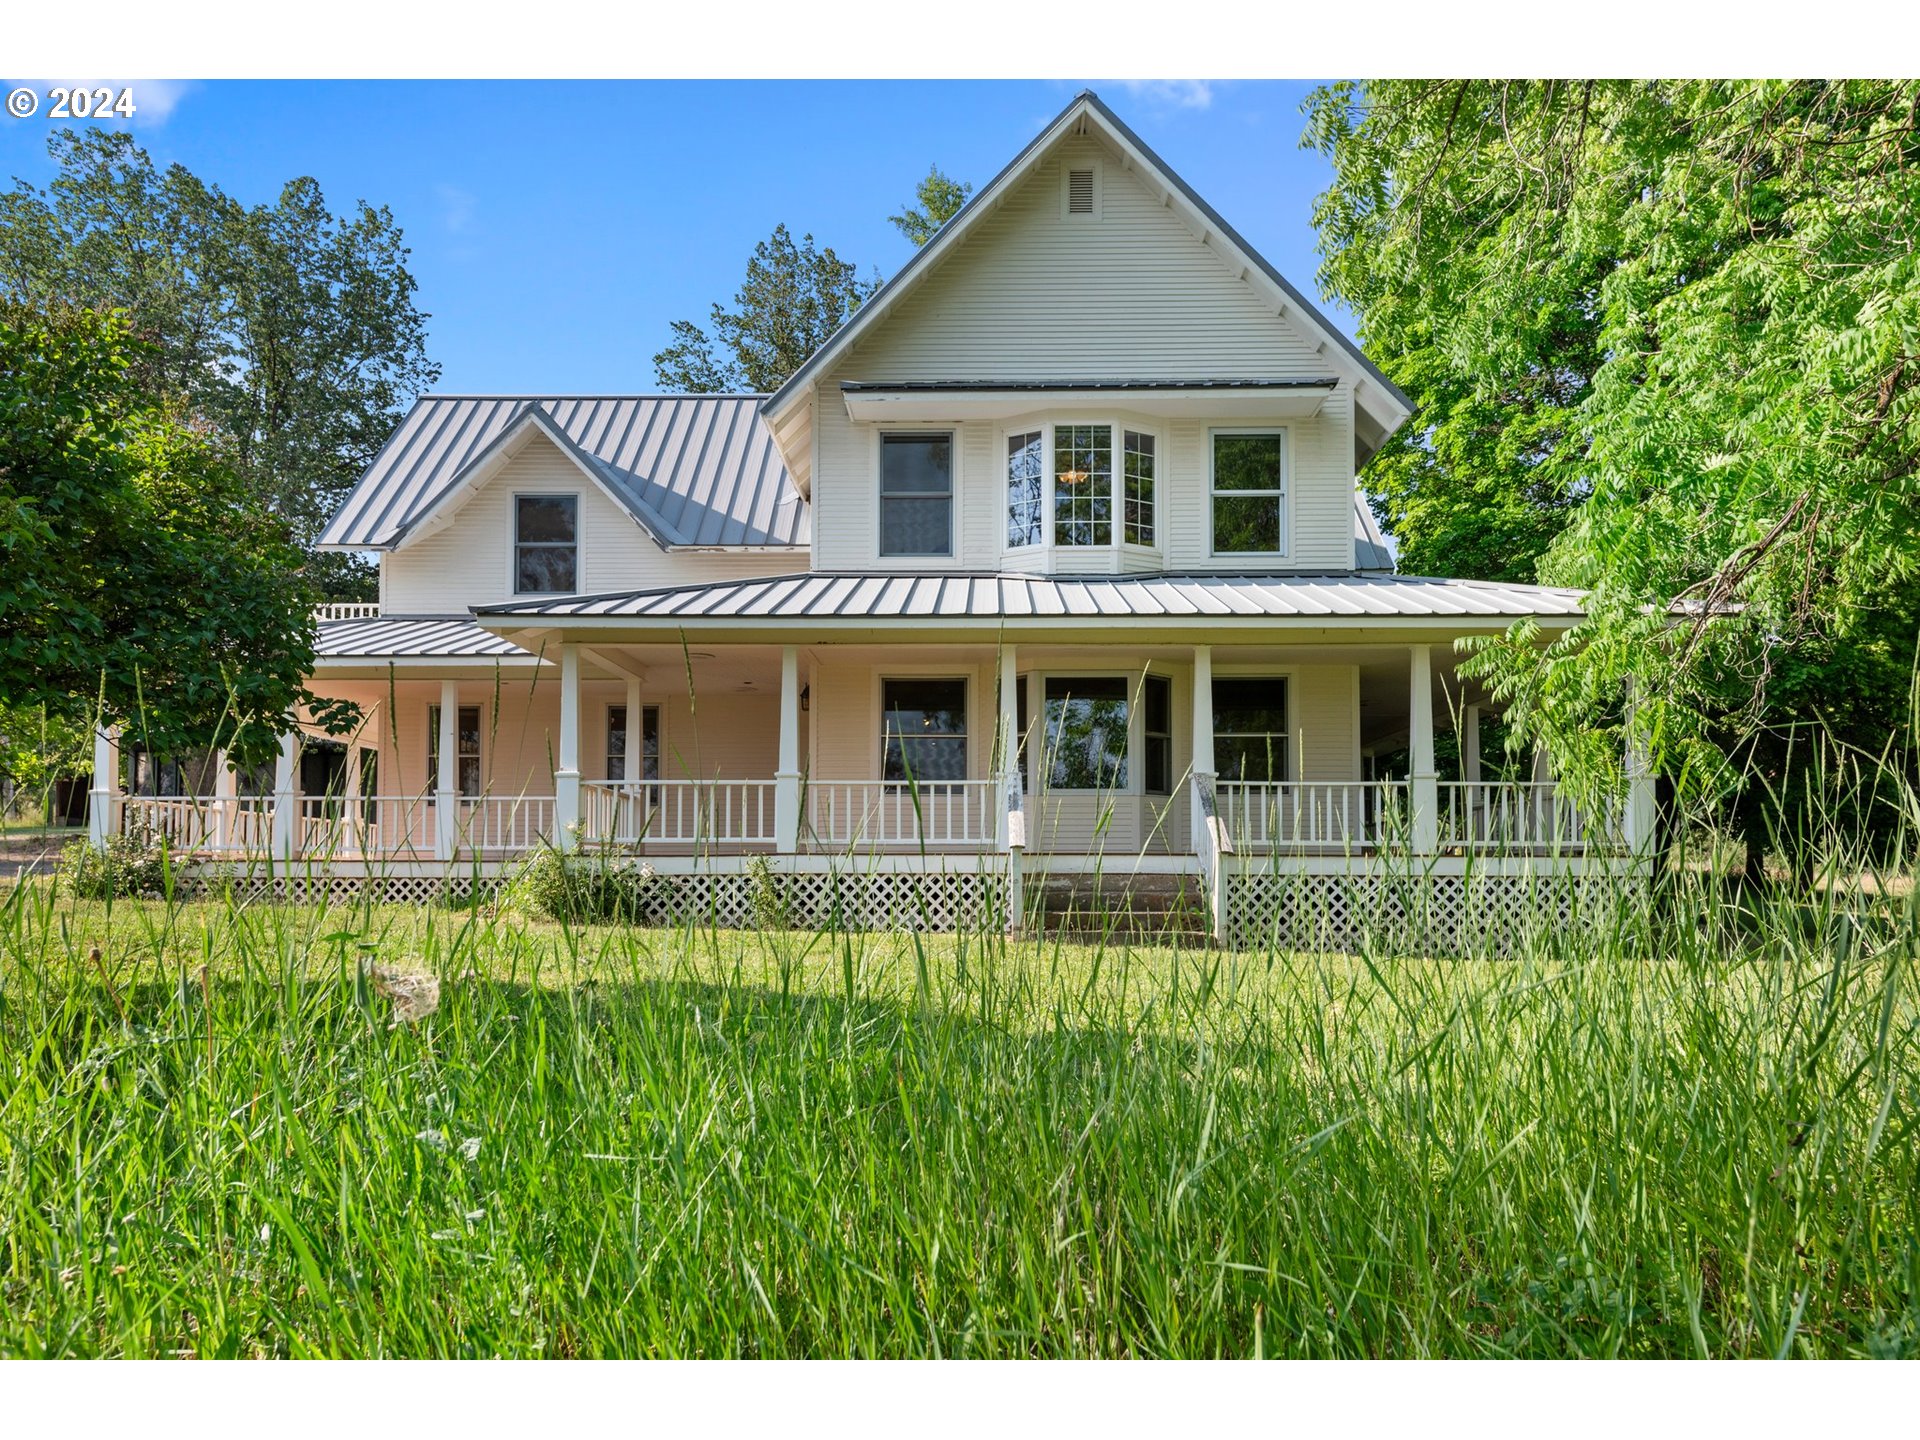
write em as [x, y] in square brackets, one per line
[793, 299]
[142, 578]
[1666, 339]
[938, 199]
[290, 331]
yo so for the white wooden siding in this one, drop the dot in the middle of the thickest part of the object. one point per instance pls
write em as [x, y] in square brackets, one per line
[1034, 295]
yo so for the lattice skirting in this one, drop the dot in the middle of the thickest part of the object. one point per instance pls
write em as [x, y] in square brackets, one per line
[744, 901]
[1471, 914]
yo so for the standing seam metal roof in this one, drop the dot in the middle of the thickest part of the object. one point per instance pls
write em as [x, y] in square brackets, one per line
[412, 637]
[696, 469]
[822, 595]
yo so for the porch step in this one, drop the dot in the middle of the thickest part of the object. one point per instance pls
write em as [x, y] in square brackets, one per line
[1156, 907]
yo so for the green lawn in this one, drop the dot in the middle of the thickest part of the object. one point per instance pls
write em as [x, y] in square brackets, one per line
[686, 1143]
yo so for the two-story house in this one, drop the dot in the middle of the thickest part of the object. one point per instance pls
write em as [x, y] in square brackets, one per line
[1051, 561]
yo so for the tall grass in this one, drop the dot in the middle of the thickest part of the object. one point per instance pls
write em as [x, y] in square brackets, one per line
[1693, 1139]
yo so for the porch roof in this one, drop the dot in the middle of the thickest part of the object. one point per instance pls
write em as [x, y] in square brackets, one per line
[825, 597]
[411, 637]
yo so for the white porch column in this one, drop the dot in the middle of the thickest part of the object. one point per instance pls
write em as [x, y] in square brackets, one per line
[350, 802]
[1423, 782]
[1008, 787]
[446, 807]
[226, 797]
[1470, 745]
[566, 779]
[103, 807]
[1638, 819]
[1202, 768]
[786, 778]
[286, 796]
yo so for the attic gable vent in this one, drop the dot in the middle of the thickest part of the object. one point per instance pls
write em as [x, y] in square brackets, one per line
[1080, 192]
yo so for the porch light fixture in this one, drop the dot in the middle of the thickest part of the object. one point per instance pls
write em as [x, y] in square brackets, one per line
[806, 697]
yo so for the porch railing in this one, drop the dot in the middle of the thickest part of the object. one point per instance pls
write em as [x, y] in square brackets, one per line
[348, 610]
[839, 813]
[677, 812]
[1521, 815]
[1312, 814]
[196, 823]
[357, 826]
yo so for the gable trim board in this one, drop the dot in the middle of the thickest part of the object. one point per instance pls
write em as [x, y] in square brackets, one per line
[788, 410]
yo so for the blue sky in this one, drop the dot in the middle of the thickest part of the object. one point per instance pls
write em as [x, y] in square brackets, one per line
[557, 228]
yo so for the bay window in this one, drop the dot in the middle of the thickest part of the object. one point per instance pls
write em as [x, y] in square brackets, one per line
[1086, 735]
[1083, 485]
[1026, 489]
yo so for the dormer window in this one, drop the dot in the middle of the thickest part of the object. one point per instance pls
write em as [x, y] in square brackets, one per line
[546, 544]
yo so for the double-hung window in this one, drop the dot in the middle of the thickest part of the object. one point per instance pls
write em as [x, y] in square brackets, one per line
[546, 544]
[1250, 728]
[924, 734]
[916, 494]
[1249, 492]
[466, 750]
[1086, 734]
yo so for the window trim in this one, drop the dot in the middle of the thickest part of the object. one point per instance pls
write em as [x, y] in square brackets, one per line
[479, 753]
[606, 731]
[1118, 425]
[1288, 674]
[578, 547]
[1043, 779]
[903, 430]
[1284, 494]
[932, 671]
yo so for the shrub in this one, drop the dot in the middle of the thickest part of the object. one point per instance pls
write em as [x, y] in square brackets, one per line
[582, 889]
[133, 865]
[770, 908]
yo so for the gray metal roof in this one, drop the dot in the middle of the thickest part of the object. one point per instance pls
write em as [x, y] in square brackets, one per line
[1370, 548]
[823, 596]
[694, 470]
[411, 637]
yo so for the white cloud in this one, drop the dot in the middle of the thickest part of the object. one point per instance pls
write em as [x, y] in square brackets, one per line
[1171, 94]
[456, 206]
[153, 100]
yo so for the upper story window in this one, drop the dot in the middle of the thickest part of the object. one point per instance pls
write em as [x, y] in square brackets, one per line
[1026, 489]
[1083, 498]
[1138, 494]
[916, 494]
[546, 544]
[1083, 484]
[1249, 492]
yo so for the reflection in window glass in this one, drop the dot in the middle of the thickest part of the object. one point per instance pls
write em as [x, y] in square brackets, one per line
[1083, 484]
[1086, 736]
[1026, 489]
[1138, 518]
[1249, 495]
[546, 544]
[925, 730]
[1250, 728]
[916, 494]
